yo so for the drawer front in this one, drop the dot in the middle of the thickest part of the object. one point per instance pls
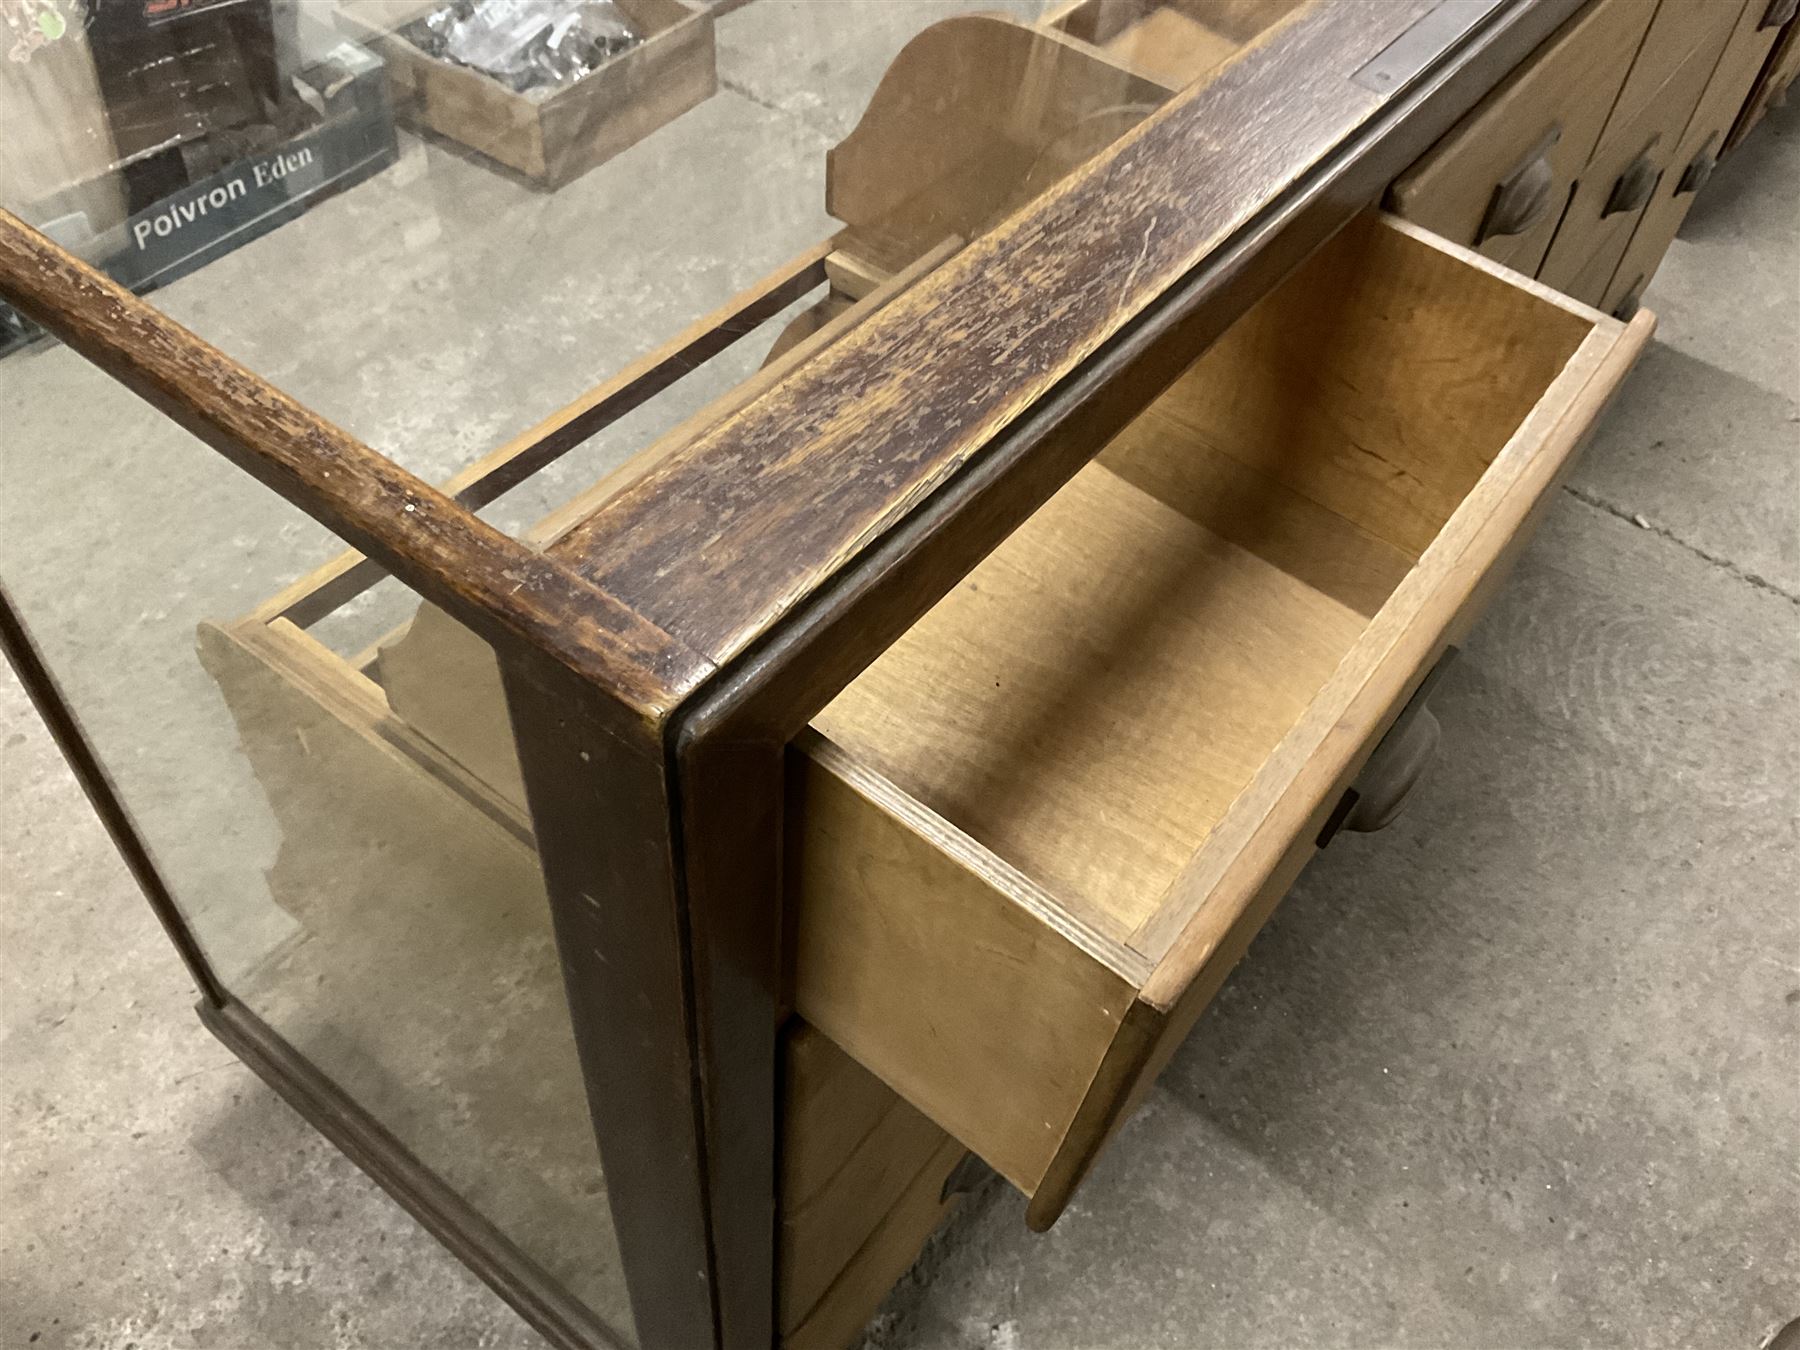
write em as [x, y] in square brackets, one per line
[874, 1268]
[1773, 83]
[1678, 30]
[852, 1154]
[1030, 841]
[1499, 180]
[1698, 150]
[1110, 1111]
[1624, 174]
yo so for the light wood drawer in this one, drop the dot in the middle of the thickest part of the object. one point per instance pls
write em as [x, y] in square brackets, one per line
[1624, 174]
[852, 1153]
[1500, 178]
[1029, 842]
[1695, 153]
[1034, 835]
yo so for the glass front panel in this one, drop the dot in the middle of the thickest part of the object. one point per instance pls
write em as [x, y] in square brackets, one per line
[439, 222]
[380, 910]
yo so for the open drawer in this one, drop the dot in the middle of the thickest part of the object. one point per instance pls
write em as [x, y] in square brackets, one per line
[1031, 839]
[1028, 843]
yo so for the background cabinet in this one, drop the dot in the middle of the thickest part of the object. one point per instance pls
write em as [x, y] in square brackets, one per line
[1580, 168]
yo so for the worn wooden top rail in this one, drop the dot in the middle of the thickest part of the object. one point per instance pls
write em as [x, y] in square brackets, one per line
[720, 541]
[492, 582]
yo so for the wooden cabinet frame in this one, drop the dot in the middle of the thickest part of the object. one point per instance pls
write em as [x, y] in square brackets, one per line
[659, 659]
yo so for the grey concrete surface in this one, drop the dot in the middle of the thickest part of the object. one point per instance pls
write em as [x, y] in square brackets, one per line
[1523, 1071]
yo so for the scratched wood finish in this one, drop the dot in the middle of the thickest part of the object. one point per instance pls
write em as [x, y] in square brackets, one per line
[724, 538]
[496, 473]
[490, 581]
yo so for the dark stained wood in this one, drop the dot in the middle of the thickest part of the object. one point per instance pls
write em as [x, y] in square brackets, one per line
[641, 381]
[499, 587]
[724, 538]
[603, 813]
[730, 777]
[503, 469]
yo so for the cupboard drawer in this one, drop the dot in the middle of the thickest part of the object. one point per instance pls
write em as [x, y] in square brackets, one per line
[1695, 154]
[1029, 841]
[1028, 837]
[862, 1187]
[1499, 179]
[1624, 174]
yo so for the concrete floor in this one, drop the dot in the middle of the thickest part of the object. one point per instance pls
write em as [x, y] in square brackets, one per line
[1523, 1071]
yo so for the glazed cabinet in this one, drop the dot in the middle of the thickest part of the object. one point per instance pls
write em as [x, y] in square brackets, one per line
[894, 620]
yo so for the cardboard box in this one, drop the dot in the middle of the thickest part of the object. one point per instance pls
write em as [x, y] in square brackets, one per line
[553, 139]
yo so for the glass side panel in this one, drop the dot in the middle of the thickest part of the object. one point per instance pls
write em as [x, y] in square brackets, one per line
[438, 222]
[389, 925]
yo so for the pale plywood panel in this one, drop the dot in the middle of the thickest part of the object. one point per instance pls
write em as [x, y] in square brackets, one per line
[1253, 511]
[1380, 381]
[970, 994]
[443, 682]
[1088, 702]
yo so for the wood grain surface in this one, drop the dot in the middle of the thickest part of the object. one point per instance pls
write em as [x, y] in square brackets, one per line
[726, 536]
[1090, 700]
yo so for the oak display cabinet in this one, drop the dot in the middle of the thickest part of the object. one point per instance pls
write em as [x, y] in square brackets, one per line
[841, 753]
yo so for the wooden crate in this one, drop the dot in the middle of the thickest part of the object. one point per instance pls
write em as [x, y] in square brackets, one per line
[555, 139]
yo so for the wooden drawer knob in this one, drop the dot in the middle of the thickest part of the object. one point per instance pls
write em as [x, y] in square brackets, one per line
[1634, 186]
[1700, 167]
[1522, 198]
[1393, 771]
[1387, 778]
